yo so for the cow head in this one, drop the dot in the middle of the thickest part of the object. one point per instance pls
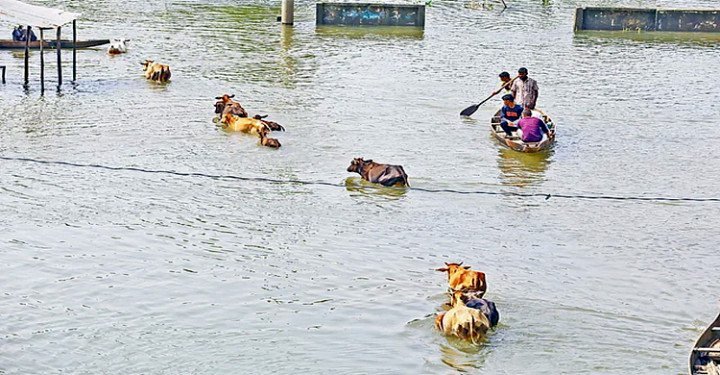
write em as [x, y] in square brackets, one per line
[219, 107]
[225, 98]
[356, 165]
[227, 119]
[118, 46]
[453, 268]
[146, 63]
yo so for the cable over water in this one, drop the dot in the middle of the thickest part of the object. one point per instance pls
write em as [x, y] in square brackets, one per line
[324, 183]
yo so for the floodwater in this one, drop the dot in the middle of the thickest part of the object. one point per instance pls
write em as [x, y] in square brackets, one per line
[140, 271]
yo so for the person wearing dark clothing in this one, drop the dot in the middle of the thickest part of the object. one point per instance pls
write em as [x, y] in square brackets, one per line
[509, 114]
[17, 34]
[32, 35]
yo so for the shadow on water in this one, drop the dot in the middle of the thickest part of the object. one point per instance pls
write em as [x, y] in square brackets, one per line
[522, 169]
[694, 39]
[358, 185]
[360, 32]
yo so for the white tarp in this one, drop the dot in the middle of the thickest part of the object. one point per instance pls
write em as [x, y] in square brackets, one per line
[33, 15]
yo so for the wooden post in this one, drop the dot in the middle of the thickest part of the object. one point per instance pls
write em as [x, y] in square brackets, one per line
[287, 16]
[27, 56]
[42, 62]
[58, 46]
[74, 50]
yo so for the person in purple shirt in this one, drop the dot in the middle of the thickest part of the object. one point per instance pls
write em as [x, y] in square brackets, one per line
[509, 114]
[532, 128]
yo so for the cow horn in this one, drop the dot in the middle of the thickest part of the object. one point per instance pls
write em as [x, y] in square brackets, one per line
[231, 96]
[460, 264]
[446, 263]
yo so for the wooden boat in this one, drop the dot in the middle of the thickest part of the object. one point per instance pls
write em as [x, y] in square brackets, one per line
[515, 143]
[50, 44]
[705, 356]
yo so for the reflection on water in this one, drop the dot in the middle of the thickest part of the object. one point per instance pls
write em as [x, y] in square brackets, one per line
[593, 36]
[358, 185]
[522, 169]
[461, 355]
[375, 31]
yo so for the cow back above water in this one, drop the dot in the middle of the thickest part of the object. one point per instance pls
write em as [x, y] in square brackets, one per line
[384, 174]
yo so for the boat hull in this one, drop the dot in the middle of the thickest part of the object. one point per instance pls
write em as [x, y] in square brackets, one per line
[700, 359]
[515, 143]
[50, 44]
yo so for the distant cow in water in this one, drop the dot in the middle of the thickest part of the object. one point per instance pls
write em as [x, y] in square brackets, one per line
[267, 142]
[385, 174]
[274, 126]
[225, 105]
[118, 46]
[156, 71]
[486, 306]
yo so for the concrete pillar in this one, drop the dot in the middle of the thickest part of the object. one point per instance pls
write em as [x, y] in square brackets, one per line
[287, 16]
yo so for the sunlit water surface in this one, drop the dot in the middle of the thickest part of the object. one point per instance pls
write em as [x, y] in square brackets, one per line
[128, 272]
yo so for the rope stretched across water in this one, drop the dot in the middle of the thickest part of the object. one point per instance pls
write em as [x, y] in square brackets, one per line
[324, 183]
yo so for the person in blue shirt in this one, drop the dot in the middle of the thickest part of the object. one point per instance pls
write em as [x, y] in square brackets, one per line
[17, 33]
[510, 114]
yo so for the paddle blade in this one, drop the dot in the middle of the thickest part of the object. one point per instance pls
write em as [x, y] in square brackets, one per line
[469, 110]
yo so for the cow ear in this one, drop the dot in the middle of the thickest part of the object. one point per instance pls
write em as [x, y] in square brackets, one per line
[467, 267]
[442, 269]
[218, 97]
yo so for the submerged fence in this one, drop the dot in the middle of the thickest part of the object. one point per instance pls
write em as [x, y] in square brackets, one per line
[367, 14]
[639, 19]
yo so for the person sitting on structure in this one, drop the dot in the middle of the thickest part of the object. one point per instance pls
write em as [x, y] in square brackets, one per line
[509, 114]
[532, 128]
[17, 33]
[31, 36]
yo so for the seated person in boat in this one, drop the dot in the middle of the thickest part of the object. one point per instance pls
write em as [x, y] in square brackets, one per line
[532, 128]
[17, 33]
[509, 114]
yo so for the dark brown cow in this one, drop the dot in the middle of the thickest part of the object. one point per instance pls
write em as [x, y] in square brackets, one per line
[385, 174]
[226, 105]
[274, 126]
[268, 142]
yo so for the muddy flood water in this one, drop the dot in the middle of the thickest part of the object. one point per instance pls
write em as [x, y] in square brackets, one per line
[251, 260]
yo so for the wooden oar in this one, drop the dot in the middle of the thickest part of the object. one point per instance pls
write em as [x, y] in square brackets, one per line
[471, 109]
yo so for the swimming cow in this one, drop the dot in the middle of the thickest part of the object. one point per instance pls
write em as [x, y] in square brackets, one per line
[156, 71]
[385, 174]
[225, 105]
[118, 46]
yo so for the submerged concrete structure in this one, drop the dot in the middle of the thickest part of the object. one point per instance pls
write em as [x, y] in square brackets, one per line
[366, 14]
[639, 19]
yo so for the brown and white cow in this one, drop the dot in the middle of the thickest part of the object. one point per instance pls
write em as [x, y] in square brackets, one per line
[156, 71]
[385, 174]
[461, 278]
[463, 322]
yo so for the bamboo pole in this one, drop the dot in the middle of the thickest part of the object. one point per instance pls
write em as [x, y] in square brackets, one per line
[59, 56]
[27, 56]
[42, 61]
[74, 50]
